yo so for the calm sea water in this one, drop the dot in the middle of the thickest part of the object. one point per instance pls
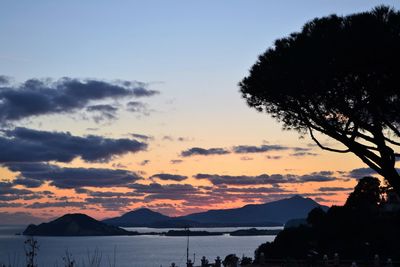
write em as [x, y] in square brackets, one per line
[133, 251]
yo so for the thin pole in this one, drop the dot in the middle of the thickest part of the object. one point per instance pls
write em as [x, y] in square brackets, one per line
[187, 247]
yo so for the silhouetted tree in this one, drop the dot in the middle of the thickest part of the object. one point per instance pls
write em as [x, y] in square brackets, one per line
[245, 261]
[230, 261]
[366, 195]
[316, 216]
[339, 76]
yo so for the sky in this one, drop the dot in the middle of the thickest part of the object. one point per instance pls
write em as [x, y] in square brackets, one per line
[109, 106]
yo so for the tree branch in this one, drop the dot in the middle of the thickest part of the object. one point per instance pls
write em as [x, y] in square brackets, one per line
[324, 147]
[393, 128]
[391, 141]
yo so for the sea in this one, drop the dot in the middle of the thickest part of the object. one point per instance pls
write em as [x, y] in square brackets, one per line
[124, 251]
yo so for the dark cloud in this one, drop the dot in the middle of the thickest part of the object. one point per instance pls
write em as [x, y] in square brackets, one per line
[143, 92]
[194, 151]
[43, 205]
[111, 194]
[274, 157]
[264, 179]
[334, 189]
[137, 107]
[27, 145]
[167, 176]
[320, 199]
[9, 205]
[37, 97]
[73, 177]
[300, 149]
[303, 154]
[92, 129]
[317, 177]
[105, 112]
[9, 193]
[249, 190]
[80, 190]
[176, 161]
[27, 182]
[361, 172]
[258, 149]
[6, 188]
[246, 158]
[243, 149]
[241, 180]
[142, 136]
[4, 80]
[179, 138]
[111, 204]
[156, 188]
[110, 200]
[144, 162]
[167, 138]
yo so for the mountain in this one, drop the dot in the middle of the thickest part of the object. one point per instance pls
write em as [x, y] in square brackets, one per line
[268, 214]
[278, 211]
[74, 225]
[138, 218]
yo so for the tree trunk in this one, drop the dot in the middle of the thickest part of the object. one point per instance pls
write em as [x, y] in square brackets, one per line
[393, 177]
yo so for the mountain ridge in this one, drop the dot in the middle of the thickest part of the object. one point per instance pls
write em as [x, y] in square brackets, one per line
[266, 214]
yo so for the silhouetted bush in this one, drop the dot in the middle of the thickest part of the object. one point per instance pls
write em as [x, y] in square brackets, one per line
[358, 230]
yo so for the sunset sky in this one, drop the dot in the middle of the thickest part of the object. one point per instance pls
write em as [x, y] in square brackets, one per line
[109, 106]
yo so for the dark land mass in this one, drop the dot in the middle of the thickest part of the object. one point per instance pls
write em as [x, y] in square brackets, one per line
[274, 213]
[254, 232]
[83, 225]
[296, 223]
[278, 212]
[191, 233]
[243, 232]
[367, 225]
[75, 225]
[138, 218]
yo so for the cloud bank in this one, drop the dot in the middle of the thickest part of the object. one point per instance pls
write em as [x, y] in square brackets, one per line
[36, 97]
[28, 145]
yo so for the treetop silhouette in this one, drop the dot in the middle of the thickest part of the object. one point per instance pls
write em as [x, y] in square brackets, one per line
[339, 76]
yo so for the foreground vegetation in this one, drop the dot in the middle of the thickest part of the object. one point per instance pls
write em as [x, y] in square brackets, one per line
[367, 225]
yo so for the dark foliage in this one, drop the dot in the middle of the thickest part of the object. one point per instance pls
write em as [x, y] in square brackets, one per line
[230, 260]
[357, 231]
[245, 261]
[31, 249]
[339, 76]
[366, 196]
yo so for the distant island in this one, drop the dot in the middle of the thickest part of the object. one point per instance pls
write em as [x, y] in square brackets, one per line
[83, 225]
[254, 232]
[275, 213]
[248, 216]
[75, 225]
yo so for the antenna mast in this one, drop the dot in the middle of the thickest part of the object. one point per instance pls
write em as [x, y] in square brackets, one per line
[187, 246]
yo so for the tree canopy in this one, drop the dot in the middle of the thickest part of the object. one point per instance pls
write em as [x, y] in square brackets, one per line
[367, 195]
[338, 76]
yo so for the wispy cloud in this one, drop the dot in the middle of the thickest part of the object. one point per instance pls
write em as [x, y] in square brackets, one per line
[195, 151]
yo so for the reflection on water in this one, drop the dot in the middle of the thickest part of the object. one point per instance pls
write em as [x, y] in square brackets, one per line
[140, 251]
